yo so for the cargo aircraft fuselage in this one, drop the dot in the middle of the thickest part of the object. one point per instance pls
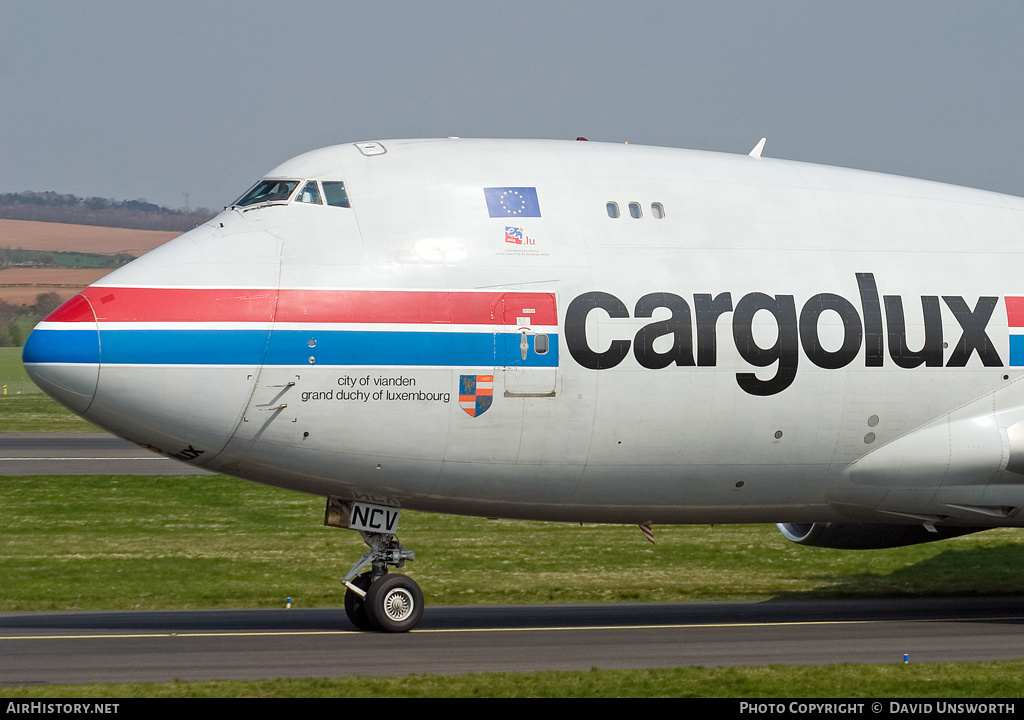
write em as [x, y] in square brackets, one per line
[579, 332]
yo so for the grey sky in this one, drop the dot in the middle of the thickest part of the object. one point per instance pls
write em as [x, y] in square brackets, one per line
[131, 100]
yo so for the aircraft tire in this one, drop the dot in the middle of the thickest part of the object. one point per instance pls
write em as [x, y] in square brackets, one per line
[355, 606]
[394, 604]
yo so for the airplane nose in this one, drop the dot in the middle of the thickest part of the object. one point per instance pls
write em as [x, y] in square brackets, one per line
[62, 354]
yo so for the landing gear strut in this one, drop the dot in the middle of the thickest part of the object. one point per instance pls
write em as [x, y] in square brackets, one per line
[376, 600]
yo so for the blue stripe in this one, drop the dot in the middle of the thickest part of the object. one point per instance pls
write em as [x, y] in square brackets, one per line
[183, 347]
[287, 347]
[1016, 350]
[62, 346]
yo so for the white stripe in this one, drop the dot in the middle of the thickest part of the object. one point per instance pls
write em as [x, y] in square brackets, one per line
[463, 369]
[306, 327]
[319, 288]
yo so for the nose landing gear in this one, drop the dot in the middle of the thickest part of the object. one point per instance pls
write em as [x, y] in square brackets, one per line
[377, 600]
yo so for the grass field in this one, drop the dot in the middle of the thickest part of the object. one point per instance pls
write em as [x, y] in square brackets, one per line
[25, 407]
[951, 680]
[35, 412]
[216, 542]
[13, 375]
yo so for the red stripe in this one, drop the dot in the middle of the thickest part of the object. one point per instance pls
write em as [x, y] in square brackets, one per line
[386, 306]
[327, 306]
[1015, 311]
[74, 310]
[170, 305]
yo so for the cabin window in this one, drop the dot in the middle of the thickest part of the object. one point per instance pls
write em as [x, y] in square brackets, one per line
[634, 210]
[658, 210]
[335, 193]
[540, 344]
[310, 193]
[266, 191]
[613, 209]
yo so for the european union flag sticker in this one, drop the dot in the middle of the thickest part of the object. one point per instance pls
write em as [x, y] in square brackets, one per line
[503, 202]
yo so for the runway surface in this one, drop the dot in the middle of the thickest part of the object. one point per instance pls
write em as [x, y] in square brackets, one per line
[49, 648]
[82, 453]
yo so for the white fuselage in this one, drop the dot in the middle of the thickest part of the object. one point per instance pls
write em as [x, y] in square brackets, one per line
[767, 341]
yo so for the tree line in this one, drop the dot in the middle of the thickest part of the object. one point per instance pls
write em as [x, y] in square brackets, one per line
[17, 321]
[50, 206]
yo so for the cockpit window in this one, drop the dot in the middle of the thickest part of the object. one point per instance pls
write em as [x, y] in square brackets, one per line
[309, 194]
[268, 191]
[335, 193]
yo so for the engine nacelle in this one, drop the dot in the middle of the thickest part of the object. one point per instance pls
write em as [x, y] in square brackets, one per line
[867, 536]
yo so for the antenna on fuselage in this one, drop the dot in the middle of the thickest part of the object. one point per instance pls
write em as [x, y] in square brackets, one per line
[756, 152]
